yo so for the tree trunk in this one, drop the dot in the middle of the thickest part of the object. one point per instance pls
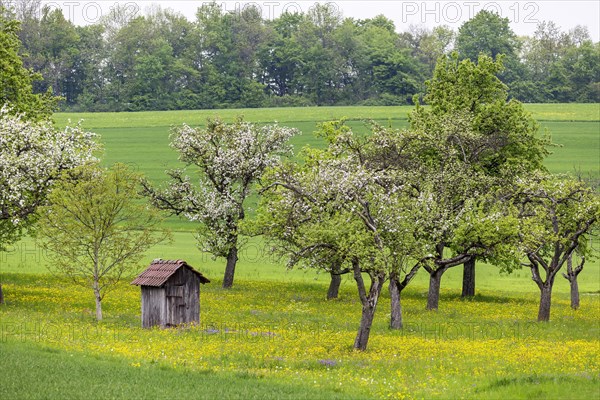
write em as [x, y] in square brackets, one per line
[433, 297]
[396, 288]
[1, 295]
[364, 330]
[368, 313]
[574, 293]
[468, 286]
[396, 305]
[232, 258]
[571, 276]
[369, 303]
[98, 305]
[545, 300]
[334, 285]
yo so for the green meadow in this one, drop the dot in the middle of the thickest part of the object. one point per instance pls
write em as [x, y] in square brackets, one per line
[142, 138]
[274, 335]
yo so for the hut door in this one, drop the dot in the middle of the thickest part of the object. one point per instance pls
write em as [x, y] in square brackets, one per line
[175, 304]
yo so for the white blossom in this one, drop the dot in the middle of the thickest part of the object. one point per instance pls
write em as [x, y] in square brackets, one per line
[230, 159]
[32, 157]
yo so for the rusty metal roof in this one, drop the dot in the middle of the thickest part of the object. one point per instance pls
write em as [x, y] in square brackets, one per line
[161, 270]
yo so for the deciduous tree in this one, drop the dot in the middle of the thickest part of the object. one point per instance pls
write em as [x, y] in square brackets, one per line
[473, 125]
[96, 229]
[297, 228]
[33, 156]
[16, 82]
[229, 159]
[571, 276]
[557, 213]
[345, 208]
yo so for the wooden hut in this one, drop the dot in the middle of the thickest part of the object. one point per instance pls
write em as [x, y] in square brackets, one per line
[170, 293]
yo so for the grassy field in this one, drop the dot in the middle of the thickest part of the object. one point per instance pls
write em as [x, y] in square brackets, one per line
[541, 112]
[274, 335]
[574, 127]
[263, 335]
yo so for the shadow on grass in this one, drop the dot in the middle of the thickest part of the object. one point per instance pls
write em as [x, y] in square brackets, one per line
[494, 297]
[544, 382]
[580, 386]
[497, 298]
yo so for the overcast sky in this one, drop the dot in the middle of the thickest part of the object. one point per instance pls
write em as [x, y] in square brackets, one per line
[523, 15]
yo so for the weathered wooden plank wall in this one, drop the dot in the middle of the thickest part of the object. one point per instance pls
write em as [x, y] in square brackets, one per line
[153, 306]
[176, 303]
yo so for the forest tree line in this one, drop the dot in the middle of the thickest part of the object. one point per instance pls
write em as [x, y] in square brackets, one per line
[163, 61]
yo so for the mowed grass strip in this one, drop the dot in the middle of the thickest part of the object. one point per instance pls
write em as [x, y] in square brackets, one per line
[565, 112]
[32, 372]
[541, 112]
[258, 115]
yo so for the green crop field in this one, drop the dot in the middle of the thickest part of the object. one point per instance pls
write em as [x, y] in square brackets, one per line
[142, 139]
[274, 335]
